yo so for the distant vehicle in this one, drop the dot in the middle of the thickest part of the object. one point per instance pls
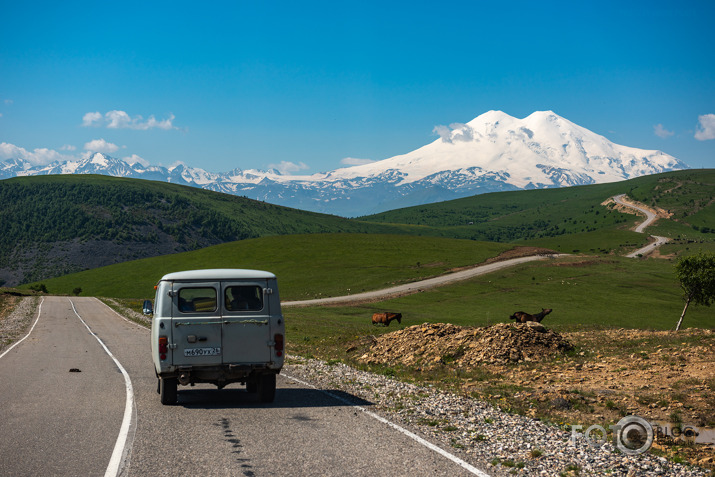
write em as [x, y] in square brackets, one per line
[147, 307]
[217, 326]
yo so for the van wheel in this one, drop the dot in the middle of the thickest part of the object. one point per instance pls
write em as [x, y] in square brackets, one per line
[167, 390]
[267, 387]
[252, 386]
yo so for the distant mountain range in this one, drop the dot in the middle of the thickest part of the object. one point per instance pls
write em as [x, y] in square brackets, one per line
[493, 152]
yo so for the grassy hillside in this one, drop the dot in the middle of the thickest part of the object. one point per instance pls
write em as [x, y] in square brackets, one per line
[53, 225]
[553, 213]
[308, 266]
[584, 294]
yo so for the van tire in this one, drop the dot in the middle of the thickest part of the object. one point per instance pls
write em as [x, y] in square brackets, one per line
[267, 387]
[168, 390]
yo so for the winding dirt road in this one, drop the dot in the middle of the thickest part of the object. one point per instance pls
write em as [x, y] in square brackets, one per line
[415, 287]
[650, 218]
[478, 270]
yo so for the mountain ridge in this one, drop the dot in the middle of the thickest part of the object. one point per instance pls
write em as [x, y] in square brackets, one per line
[493, 152]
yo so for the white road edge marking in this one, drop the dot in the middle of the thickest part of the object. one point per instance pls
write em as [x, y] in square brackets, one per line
[39, 310]
[429, 445]
[115, 462]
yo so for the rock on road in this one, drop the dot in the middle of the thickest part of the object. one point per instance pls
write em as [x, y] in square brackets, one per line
[65, 400]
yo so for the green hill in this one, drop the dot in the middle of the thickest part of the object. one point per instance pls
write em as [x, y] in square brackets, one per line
[547, 213]
[54, 225]
[309, 266]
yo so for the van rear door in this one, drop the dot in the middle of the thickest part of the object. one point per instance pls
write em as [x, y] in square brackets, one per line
[246, 322]
[196, 324]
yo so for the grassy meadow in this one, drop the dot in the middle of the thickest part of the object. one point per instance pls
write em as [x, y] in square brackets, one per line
[585, 293]
[308, 266]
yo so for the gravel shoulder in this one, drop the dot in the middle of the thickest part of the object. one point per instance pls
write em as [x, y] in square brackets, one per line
[480, 433]
[16, 315]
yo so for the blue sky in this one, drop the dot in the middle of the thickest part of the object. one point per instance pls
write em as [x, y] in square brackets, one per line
[313, 86]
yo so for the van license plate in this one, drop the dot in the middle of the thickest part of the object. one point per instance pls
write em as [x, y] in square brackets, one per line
[202, 351]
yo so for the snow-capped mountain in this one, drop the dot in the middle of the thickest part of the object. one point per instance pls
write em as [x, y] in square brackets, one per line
[493, 152]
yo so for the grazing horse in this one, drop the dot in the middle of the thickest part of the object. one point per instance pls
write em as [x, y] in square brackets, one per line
[522, 317]
[386, 318]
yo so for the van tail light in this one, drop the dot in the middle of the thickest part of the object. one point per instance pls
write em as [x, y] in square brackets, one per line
[163, 347]
[278, 344]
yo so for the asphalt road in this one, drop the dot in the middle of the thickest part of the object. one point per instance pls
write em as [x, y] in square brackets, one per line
[68, 407]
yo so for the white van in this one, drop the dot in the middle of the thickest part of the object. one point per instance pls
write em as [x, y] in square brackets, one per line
[217, 326]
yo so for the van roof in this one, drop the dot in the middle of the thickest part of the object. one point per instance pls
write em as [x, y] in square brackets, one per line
[217, 274]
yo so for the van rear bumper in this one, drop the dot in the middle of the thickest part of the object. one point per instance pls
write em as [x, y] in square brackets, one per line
[220, 375]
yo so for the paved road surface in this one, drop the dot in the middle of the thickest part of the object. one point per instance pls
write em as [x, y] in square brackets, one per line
[61, 422]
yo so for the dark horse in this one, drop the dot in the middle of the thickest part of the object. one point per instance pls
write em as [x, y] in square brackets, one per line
[386, 318]
[522, 317]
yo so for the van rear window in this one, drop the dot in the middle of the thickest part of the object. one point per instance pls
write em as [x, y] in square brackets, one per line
[201, 300]
[244, 298]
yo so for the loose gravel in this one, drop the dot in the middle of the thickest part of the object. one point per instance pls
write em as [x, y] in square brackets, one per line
[495, 441]
[15, 325]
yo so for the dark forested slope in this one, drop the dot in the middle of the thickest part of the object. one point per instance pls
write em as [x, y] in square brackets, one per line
[53, 225]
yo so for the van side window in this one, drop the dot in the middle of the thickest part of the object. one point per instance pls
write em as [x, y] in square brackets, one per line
[244, 298]
[199, 300]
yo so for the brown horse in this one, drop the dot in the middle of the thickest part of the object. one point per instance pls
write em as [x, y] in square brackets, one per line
[386, 318]
[522, 317]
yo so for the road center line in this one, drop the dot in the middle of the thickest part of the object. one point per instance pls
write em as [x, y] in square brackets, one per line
[411, 435]
[39, 310]
[117, 461]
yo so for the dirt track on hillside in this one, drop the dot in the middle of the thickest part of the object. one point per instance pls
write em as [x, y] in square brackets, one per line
[507, 259]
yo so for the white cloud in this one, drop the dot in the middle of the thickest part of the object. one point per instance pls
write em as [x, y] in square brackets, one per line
[166, 124]
[100, 145]
[133, 159]
[90, 119]
[116, 119]
[454, 132]
[444, 132]
[660, 131]
[68, 147]
[176, 164]
[36, 157]
[706, 127]
[288, 168]
[353, 161]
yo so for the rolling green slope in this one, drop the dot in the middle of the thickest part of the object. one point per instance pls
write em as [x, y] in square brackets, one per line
[550, 213]
[54, 225]
[309, 266]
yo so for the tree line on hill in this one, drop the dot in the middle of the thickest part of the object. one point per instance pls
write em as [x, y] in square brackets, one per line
[53, 225]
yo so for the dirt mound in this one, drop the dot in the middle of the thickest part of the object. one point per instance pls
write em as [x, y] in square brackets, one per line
[434, 344]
